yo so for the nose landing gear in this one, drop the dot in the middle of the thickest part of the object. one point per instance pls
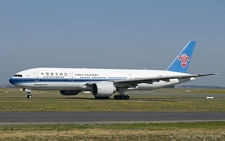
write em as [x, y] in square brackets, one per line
[29, 96]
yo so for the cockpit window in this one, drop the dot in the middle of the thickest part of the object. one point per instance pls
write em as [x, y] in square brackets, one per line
[18, 75]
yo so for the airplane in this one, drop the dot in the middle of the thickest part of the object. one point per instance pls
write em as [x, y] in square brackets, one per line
[103, 83]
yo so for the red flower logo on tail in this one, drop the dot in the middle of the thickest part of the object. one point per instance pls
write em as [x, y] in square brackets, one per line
[184, 58]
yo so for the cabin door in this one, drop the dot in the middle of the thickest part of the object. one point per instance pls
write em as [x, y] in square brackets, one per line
[71, 77]
[36, 77]
[129, 76]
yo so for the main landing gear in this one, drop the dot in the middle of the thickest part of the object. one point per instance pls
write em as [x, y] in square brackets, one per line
[101, 97]
[122, 97]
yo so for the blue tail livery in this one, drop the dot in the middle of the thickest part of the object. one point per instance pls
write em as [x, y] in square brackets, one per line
[182, 61]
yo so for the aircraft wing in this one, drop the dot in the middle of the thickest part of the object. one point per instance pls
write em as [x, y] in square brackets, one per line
[150, 80]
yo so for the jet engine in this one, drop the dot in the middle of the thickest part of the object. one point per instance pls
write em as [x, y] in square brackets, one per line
[103, 89]
[69, 92]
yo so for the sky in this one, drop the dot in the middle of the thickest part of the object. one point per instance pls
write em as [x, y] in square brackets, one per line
[121, 34]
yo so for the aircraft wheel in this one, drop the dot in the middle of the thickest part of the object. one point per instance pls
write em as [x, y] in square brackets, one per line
[122, 97]
[127, 97]
[29, 96]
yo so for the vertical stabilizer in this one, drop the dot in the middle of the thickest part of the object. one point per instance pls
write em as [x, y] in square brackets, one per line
[182, 61]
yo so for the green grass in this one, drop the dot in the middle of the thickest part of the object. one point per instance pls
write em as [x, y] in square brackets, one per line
[140, 131]
[15, 100]
[159, 100]
[136, 126]
[111, 105]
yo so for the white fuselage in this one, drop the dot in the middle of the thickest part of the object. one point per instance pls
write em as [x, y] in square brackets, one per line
[77, 78]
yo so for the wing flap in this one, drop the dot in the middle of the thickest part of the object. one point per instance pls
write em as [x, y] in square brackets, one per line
[150, 80]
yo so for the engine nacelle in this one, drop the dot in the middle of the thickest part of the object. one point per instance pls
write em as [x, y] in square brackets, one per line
[103, 89]
[69, 92]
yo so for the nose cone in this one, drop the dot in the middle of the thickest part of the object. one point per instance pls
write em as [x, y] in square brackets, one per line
[11, 81]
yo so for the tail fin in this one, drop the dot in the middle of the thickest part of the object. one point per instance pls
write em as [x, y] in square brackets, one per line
[182, 61]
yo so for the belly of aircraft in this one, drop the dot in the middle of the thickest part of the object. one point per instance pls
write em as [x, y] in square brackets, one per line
[53, 86]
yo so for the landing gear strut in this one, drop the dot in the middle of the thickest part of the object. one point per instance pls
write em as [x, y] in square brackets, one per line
[29, 96]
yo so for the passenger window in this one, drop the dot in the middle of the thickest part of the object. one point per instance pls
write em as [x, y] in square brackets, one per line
[47, 73]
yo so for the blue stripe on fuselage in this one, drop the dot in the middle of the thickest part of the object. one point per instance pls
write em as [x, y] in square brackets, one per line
[31, 80]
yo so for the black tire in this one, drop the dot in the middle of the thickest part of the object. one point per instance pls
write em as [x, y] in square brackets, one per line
[122, 97]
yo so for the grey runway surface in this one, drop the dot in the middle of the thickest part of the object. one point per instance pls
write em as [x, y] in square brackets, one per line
[13, 118]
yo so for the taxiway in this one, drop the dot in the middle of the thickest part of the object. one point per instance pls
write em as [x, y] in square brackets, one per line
[13, 118]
